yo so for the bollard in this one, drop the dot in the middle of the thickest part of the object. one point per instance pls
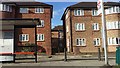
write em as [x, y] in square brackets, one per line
[65, 55]
[99, 54]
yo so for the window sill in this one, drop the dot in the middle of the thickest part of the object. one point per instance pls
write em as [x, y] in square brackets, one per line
[7, 11]
[39, 12]
[24, 13]
[40, 40]
[79, 15]
[80, 46]
[24, 41]
[97, 45]
[94, 15]
[113, 44]
[112, 13]
[112, 29]
[96, 30]
[40, 26]
[80, 30]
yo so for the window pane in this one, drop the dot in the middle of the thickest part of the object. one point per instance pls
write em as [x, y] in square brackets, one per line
[75, 12]
[1, 7]
[24, 37]
[77, 41]
[23, 10]
[117, 41]
[40, 37]
[39, 10]
[94, 42]
[78, 13]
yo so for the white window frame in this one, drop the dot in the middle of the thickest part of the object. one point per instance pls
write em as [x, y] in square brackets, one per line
[96, 41]
[78, 12]
[39, 10]
[95, 26]
[94, 12]
[40, 37]
[80, 42]
[42, 23]
[80, 26]
[113, 9]
[25, 10]
[1, 7]
[114, 41]
[4, 7]
[25, 36]
[113, 25]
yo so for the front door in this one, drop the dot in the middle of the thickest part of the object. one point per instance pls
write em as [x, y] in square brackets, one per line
[7, 45]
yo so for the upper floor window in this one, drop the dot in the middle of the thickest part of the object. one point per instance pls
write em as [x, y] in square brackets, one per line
[113, 41]
[4, 7]
[113, 25]
[41, 23]
[96, 41]
[78, 12]
[95, 26]
[24, 37]
[39, 10]
[94, 12]
[23, 10]
[81, 41]
[80, 26]
[114, 9]
[40, 37]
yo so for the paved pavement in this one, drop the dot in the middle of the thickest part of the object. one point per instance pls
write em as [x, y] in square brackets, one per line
[58, 60]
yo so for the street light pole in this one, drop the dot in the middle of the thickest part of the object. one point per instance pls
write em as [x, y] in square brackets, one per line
[104, 33]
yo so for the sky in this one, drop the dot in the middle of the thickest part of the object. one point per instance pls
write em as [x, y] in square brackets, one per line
[60, 5]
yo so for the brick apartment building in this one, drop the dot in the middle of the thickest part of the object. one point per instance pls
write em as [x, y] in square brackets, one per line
[57, 39]
[83, 27]
[17, 21]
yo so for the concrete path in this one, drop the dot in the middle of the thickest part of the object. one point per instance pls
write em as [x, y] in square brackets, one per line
[59, 61]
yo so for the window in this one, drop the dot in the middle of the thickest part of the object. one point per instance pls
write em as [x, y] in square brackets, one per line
[23, 10]
[113, 41]
[1, 7]
[80, 26]
[95, 26]
[81, 42]
[39, 10]
[113, 25]
[4, 7]
[41, 23]
[114, 9]
[40, 37]
[24, 37]
[96, 41]
[78, 12]
[94, 12]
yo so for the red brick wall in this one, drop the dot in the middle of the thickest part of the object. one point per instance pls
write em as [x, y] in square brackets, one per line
[46, 30]
[30, 31]
[5, 14]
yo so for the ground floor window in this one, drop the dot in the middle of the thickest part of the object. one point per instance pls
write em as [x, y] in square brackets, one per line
[24, 37]
[81, 41]
[96, 41]
[113, 41]
[40, 37]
